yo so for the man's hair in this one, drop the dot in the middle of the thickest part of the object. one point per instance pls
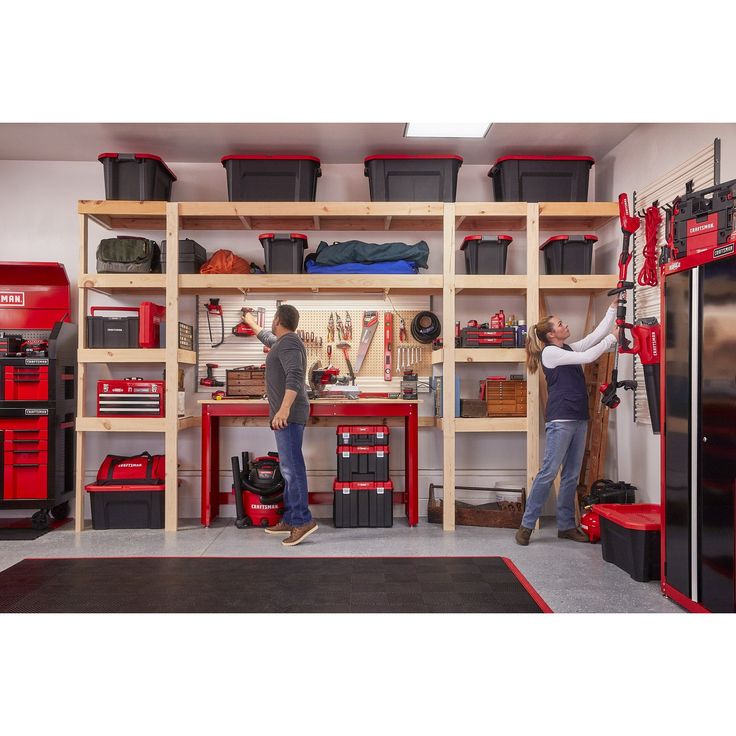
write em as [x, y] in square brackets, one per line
[288, 316]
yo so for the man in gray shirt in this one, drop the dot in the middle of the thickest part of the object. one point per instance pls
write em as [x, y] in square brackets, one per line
[286, 367]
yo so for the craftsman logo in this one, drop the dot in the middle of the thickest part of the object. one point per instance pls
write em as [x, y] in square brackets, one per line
[37, 412]
[36, 361]
[12, 298]
[718, 252]
[129, 465]
[654, 345]
[694, 230]
[674, 266]
[263, 507]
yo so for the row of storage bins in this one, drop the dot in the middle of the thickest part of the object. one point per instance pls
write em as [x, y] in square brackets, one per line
[392, 178]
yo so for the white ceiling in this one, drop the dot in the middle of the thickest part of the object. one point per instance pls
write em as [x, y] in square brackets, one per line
[333, 143]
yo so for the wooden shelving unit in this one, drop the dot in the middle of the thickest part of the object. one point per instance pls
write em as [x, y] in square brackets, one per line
[449, 219]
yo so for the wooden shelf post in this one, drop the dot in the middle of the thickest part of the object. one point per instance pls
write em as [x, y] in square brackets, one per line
[448, 369]
[532, 317]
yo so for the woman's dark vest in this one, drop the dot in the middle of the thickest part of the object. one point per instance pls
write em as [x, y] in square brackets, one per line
[567, 395]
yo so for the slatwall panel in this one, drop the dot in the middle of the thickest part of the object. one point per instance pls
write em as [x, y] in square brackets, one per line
[700, 170]
[239, 351]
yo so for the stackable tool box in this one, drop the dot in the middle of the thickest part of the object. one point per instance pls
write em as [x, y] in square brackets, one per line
[541, 178]
[248, 382]
[426, 178]
[284, 253]
[272, 178]
[129, 492]
[702, 222]
[485, 255]
[357, 463]
[143, 331]
[630, 538]
[136, 176]
[362, 435]
[366, 504]
[480, 337]
[192, 256]
[131, 397]
[38, 362]
[568, 254]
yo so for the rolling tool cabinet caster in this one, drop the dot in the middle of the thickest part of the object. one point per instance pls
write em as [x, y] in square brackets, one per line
[61, 511]
[40, 520]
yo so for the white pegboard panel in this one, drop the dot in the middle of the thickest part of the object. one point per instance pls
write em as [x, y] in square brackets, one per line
[239, 351]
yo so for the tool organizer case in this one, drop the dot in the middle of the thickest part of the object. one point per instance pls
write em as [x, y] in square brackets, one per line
[479, 337]
[541, 178]
[131, 397]
[505, 398]
[701, 222]
[247, 382]
[362, 435]
[136, 176]
[363, 504]
[568, 254]
[485, 255]
[403, 178]
[355, 463]
[272, 178]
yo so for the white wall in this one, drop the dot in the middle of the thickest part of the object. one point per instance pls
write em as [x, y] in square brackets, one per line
[646, 154]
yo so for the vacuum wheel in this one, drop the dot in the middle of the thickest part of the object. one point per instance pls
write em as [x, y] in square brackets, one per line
[243, 523]
[61, 511]
[40, 520]
[264, 522]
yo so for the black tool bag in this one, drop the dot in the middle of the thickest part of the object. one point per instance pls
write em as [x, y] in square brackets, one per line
[609, 491]
[128, 255]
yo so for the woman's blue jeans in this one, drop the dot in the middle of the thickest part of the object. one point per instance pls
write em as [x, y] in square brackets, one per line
[291, 462]
[565, 446]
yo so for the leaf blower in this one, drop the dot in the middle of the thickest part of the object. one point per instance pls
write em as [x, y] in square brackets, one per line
[646, 332]
[259, 491]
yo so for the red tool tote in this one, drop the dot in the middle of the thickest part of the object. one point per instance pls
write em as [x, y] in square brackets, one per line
[38, 358]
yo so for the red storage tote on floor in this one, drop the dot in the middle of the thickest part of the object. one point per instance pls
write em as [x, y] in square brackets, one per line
[630, 537]
[541, 178]
[428, 178]
[136, 176]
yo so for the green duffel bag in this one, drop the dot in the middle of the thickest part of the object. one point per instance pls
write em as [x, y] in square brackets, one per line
[128, 255]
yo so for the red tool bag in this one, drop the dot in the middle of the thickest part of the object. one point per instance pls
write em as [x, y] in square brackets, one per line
[144, 469]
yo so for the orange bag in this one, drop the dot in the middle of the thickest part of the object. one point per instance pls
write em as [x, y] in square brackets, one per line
[225, 261]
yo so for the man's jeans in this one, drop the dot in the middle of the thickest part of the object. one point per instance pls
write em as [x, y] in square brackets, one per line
[565, 445]
[291, 462]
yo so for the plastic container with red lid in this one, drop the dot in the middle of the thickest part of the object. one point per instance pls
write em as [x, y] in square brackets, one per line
[413, 178]
[284, 253]
[363, 504]
[136, 176]
[541, 178]
[485, 255]
[258, 178]
[568, 254]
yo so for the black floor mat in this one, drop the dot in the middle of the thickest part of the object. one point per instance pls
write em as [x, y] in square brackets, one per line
[22, 531]
[267, 585]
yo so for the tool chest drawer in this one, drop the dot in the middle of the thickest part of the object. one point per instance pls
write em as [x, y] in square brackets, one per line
[24, 480]
[25, 383]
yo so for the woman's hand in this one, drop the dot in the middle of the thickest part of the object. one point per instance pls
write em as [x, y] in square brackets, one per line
[616, 332]
[614, 302]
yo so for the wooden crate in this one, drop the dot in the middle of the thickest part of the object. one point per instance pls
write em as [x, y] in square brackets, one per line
[505, 398]
[473, 408]
[502, 514]
[246, 382]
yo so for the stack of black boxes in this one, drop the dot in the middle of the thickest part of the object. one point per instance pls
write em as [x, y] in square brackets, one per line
[363, 492]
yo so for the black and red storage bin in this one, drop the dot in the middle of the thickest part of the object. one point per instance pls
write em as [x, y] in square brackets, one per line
[271, 178]
[630, 538]
[568, 254]
[284, 253]
[136, 176]
[362, 435]
[484, 255]
[403, 178]
[541, 178]
[363, 504]
[142, 331]
[357, 463]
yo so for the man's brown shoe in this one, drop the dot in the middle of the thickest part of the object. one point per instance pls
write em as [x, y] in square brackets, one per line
[522, 536]
[281, 528]
[300, 533]
[575, 534]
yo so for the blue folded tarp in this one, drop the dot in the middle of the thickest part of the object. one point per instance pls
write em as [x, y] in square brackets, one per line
[406, 267]
[356, 251]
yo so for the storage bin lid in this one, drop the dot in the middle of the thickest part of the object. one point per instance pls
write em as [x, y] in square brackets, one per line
[544, 158]
[139, 156]
[96, 488]
[644, 517]
[360, 429]
[359, 450]
[293, 236]
[415, 156]
[499, 239]
[260, 157]
[339, 485]
[554, 238]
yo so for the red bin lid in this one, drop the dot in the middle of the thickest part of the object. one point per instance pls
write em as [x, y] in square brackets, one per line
[362, 429]
[545, 158]
[152, 156]
[645, 517]
[591, 238]
[261, 157]
[394, 156]
[367, 485]
[293, 236]
[506, 238]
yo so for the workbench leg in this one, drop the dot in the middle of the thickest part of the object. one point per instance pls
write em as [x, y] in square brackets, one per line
[215, 469]
[206, 489]
[411, 465]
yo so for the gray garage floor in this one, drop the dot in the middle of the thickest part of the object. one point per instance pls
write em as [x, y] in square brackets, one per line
[571, 577]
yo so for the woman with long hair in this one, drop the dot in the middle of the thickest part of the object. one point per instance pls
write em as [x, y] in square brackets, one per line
[566, 417]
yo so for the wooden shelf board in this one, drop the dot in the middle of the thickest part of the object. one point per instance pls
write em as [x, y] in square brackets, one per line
[424, 422]
[188, 357]
[115, 281]
[483, 355]
[487, 424]
[121, 355]
[505, 284]
[562, 216]
[582, 283]
[308, 282]
[121, 424]
[187, 422]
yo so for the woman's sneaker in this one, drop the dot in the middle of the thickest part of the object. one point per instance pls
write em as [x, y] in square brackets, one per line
[300, 533]
[281, 528]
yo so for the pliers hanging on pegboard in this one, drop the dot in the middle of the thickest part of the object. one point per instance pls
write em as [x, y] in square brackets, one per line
[402, 330]
[340, 331]
[348, 333]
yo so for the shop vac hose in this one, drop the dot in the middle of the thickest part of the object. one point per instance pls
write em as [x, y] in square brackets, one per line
[426, 327]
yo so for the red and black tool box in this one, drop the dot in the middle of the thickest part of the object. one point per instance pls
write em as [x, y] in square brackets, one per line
[630, 538]
[703, 222]
[136, 176]
[358, 463]
[568, 254]
[131, 397]
[541, 178]
[479, 337]
[38, 363]
[272, 178]
[284, 253]
[366, 504]
[403, 178]
[362, 435]
[484, 255]
[129, 492]
[142, 331]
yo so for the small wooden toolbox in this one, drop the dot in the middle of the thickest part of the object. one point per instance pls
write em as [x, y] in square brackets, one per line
[473, 408]
[248, 382]
[505, 398]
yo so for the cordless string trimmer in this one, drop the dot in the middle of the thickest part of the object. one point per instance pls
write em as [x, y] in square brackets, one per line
[646, 332]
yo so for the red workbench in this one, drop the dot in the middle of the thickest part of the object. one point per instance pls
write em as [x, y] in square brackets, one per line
[213, 410]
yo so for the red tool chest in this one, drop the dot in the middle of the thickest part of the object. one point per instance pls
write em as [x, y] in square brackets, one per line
[131, 397]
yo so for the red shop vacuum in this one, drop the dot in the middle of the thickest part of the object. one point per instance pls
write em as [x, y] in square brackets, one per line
[259, 491]
[38, 363]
